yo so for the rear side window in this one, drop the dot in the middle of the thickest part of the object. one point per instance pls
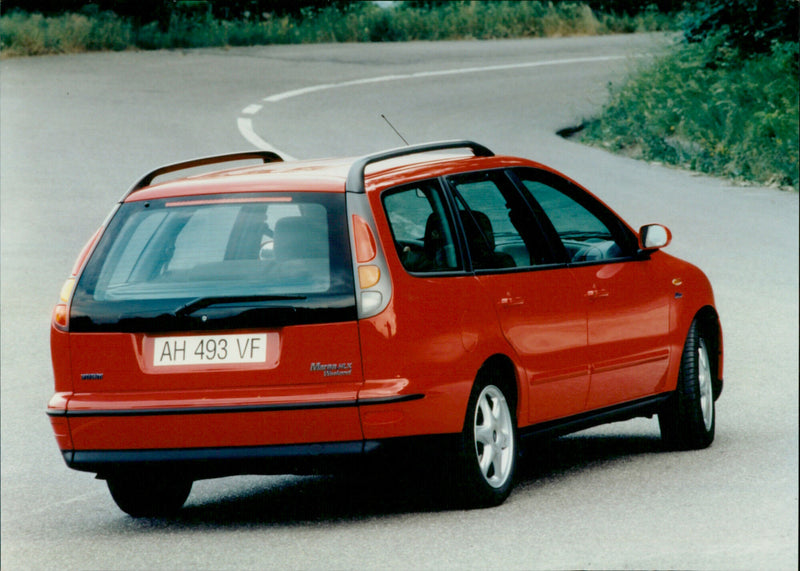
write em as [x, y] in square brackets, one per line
[423, 234]
[262, 248]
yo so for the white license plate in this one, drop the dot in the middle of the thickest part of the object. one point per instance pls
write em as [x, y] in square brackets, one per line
[210, 349]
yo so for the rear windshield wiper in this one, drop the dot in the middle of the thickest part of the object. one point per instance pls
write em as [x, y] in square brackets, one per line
[203, 302]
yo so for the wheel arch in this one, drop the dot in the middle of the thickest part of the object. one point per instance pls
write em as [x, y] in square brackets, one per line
[708, 327]
[501, 371]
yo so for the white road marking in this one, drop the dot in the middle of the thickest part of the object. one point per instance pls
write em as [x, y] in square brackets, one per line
[296, 92]
[246, 124]
[246, 129]
[252, 109]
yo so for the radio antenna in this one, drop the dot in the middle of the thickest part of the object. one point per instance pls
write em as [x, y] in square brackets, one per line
[393, 129]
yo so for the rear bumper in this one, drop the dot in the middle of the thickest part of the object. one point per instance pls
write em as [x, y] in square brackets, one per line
[212, 441]
[201, 463]
[87, 422]
[227, 461]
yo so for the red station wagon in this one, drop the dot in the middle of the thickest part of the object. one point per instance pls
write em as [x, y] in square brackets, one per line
[290, 317]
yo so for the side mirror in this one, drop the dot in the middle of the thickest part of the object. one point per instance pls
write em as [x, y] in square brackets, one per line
[654, 236]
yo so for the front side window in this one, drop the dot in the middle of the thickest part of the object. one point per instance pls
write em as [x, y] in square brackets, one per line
[172, 254]
[588, 232]
[423, 236]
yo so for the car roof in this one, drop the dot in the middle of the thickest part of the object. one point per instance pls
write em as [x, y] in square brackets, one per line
[376, 172]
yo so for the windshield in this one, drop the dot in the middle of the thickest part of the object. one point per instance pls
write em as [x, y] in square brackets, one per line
[240, 251]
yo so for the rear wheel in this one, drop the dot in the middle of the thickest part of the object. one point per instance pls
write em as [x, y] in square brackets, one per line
[149, 494]
[688, 419]
[488, 455]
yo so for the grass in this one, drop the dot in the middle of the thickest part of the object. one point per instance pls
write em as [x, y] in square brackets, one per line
[705, 108]
[33, 34]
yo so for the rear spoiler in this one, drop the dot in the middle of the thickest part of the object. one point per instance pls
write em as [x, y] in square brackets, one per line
[146, 180]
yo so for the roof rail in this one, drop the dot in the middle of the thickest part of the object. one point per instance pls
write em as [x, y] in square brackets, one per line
[265, 156]
[355, 176]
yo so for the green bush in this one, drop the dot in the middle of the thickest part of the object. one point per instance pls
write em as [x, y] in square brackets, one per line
[706, 108]
[21, 34]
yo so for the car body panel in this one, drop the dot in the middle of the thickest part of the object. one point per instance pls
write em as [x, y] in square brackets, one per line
[314, 370]
[413, 347]
[212, 429]
[542, 313]
[628, 309]
[693, 297]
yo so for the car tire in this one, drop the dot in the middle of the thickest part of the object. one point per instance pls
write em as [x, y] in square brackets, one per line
[487, 457]
[688, 419]
[149, 495]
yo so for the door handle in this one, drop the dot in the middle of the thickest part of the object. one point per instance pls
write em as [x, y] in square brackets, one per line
[596, 293]
[510, 301]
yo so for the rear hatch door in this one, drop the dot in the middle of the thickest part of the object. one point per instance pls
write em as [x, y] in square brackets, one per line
[217, 320]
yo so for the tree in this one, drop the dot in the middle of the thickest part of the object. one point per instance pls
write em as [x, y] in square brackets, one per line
[747, 25]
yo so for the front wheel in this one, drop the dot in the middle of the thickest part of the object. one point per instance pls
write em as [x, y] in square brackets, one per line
[488, 455]
[149, 495]
[688, 419]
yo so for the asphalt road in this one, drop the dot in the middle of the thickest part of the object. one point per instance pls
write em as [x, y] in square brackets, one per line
[77, 130]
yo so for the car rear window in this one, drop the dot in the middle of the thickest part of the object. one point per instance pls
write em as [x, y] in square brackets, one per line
[231, 252]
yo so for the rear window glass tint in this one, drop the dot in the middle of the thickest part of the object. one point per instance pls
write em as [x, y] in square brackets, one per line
[252, 245]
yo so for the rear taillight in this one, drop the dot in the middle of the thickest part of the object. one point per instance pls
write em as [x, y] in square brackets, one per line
[365, 241]
[372, 275]
[368, 274]
[61, 310]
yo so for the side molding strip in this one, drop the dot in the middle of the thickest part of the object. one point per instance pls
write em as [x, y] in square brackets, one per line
[234, 409]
